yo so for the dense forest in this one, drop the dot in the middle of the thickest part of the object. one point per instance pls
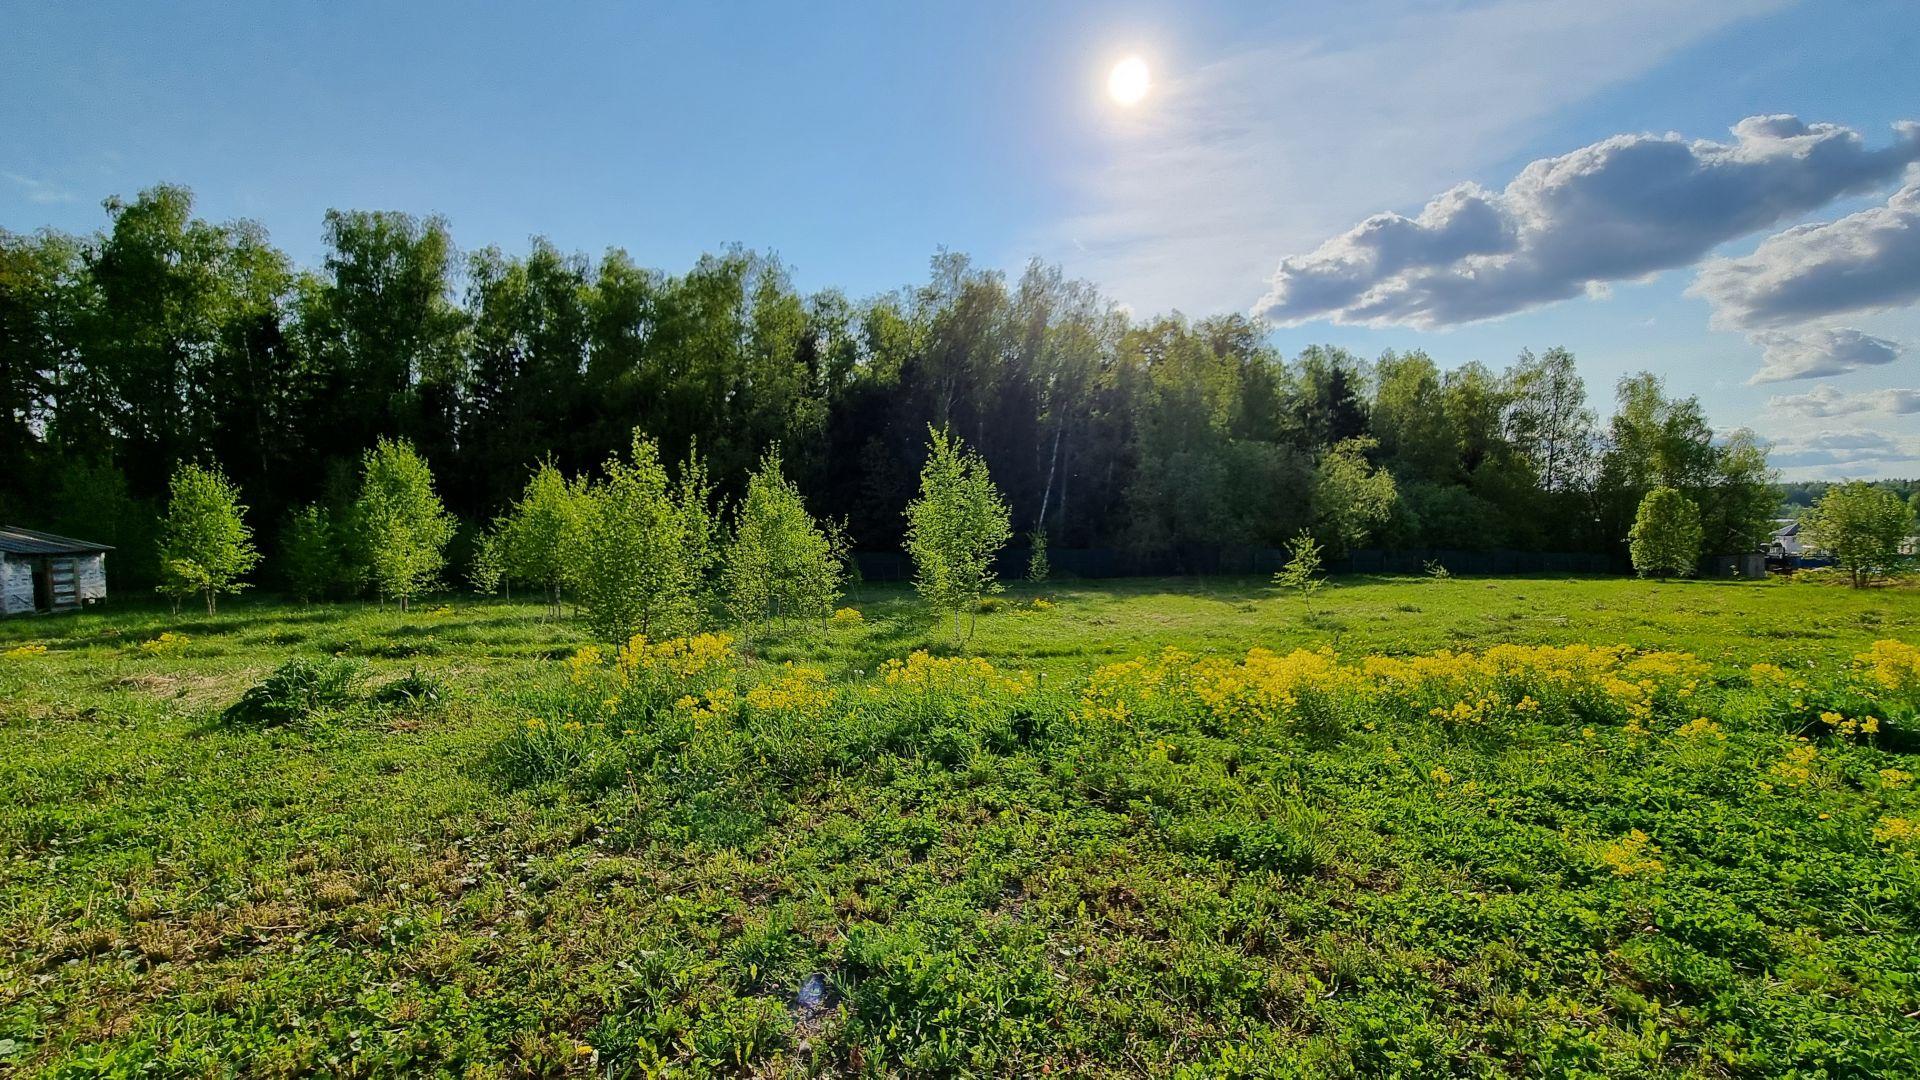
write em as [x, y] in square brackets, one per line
[166, 338]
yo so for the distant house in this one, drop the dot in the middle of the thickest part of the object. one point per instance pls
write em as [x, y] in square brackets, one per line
[1785, 543]
[43, 572]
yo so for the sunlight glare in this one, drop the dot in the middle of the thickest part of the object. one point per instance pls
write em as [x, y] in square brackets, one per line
[1129, 82]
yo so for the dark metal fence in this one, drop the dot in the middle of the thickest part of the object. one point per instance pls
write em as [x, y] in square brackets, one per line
[1222, 561]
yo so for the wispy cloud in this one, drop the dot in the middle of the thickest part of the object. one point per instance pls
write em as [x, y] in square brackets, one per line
[1824, 401]
[1619, 209]
[1268, 151]
[1844, 452]
[40, 191]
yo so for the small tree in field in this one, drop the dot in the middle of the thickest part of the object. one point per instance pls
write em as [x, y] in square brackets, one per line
[954, 528]
[644, 546]
[1038, 568]
[780, 563]
[1302, 572]
[309, 554]
[399, 521]
[537, 538]
[1665, 541]
[205, 545]
[1862, 526]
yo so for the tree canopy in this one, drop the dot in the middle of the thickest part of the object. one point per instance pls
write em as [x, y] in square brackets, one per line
[166, 338]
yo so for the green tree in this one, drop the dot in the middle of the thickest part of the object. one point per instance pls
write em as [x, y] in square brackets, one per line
[1350, 497]
[1038, 568]
[399, 522]
[1665, 540]
[645, 546]
[205, 545]
[539, 537]
[310, 558]
[954, 529]
[781, 562]
[1863, 526]
[1302, 572]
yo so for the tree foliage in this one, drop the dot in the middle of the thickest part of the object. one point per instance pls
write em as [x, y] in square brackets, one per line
[780, 563]
[538, 540]
[646, 544]
[1302, 573]
[1665, 539]
[205, 544]
[165, 338]
[1864, 528]
[312, 564]
[955, 527]
[400, 525]
[1351, 498]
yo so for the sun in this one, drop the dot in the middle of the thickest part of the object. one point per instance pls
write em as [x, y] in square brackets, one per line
[1129, 82]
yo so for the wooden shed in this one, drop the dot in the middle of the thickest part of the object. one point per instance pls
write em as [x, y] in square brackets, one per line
[43, 572]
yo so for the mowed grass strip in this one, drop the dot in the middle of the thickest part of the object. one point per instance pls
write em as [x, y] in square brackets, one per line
[1007, 872]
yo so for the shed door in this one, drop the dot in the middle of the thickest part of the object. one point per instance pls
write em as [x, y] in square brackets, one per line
[63, 582]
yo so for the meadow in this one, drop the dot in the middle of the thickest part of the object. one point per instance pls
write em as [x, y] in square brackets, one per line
[1151, 827]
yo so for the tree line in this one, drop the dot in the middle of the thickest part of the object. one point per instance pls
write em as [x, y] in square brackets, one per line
[165, 339]
[637, 550]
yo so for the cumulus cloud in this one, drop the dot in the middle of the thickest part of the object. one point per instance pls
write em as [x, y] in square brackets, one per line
[1836, 452]
[1819, 351]
[1866, 261]
[1339, 110]
[1616, 210]
[1824, 401]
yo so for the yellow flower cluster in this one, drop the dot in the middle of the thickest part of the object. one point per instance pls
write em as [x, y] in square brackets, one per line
[1700, 728]
[1898, 834]
[716, 702]
[681, 658]
[801, 691]
[1893, 665]
[1895, 778]
[1797, 767]
[847, 616]
[1632, 855]
[954, 674]
[166, 642]
[584, 661]
[1506, 683]
[1850, 725]
[27, 650]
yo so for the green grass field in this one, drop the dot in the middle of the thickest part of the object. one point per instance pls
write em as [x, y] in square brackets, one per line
[495, 856]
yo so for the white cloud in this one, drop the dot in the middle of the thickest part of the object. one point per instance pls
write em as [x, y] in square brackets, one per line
[40, 191]
[1819, 351]
[1843, 452]
[1866, 261]
[1268, 150]
[1616, 210]
[1824, 401]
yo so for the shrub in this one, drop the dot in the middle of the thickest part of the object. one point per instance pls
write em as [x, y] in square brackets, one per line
[295, 690]
[416, 688]
[1665, 540]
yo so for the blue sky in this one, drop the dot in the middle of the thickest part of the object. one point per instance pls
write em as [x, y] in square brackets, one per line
[854, 140]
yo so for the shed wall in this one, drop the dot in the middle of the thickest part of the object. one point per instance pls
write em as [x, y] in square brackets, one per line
[91, 577]
[16, 586]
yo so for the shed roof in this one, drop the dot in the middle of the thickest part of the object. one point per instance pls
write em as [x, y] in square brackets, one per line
[15, 540]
